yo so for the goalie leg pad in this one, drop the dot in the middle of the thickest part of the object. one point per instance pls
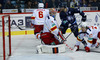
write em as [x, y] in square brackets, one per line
[53, 49]
[49, 39]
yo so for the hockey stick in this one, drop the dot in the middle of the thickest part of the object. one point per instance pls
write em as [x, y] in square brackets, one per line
[71, 32]
[20, 28]
[90, 51]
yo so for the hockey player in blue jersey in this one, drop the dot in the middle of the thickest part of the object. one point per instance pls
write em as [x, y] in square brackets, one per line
[67, 17]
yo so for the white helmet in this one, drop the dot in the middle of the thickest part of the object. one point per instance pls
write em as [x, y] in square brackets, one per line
[83, 24]
[40, 5]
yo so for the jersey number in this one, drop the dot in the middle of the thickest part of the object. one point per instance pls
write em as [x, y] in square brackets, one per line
[94, 27]
[40, 14]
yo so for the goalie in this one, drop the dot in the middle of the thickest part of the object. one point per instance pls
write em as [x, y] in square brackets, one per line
[92, 33]
[50, 33]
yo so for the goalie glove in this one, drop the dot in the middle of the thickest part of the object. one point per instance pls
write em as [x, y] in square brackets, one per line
[84, 18]
[32, 25]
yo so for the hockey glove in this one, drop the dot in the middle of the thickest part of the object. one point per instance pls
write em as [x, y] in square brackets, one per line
[31, 25]
[84, 18]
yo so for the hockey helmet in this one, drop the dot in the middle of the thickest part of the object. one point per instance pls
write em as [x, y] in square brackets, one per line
[83, 24]
[41, 5]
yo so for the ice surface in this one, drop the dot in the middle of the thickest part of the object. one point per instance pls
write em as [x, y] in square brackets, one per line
[24, 48]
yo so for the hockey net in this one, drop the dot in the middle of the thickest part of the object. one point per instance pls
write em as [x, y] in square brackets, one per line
[5, 37]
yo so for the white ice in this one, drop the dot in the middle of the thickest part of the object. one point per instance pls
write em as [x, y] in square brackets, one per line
[24, 48]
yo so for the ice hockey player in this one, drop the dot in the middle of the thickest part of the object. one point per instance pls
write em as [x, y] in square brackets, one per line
[51, 30]
[38, 17]
[68, 18]
[49, 36]
[92, 33]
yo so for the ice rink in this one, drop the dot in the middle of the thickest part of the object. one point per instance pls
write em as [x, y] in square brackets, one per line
[24, 48]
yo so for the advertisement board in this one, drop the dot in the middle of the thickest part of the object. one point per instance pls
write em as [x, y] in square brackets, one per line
[23, 19]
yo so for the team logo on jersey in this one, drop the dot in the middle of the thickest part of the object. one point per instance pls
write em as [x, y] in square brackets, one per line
[90, 35]
[53, 24]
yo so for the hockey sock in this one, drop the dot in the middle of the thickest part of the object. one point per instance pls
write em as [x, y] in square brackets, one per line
[84, 42]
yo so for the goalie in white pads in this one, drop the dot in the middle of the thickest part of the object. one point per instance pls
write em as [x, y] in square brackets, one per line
[49, 35]
[92, 33]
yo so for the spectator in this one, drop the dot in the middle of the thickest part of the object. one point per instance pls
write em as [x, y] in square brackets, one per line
[89, 5]
[0, 8]
[50, 4]
[95, 3]
[56, 3]
[73, 4]
[18, 6]
[29, 5]
[64, 2]
[68, 3]
[44, 1]
[84, 4]
[36, 4]
[80, 3]
[8, 5]
[53, 3]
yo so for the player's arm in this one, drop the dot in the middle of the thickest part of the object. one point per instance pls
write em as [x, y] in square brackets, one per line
[32, 19]
[55, 30]
[62, 15]
[81, 13]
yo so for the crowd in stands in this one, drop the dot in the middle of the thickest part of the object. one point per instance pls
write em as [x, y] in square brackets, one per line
[22, 4]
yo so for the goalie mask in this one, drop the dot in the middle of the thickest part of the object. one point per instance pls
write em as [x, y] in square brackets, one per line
[52, 12]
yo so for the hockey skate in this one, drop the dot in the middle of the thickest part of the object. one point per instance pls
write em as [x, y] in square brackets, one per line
[87, 49]
[76, 47]
[97, 45]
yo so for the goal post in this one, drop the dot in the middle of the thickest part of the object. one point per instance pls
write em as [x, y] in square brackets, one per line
[6, 36]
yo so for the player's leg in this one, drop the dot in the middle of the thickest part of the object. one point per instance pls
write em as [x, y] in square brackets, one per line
[98, 35]
[80, 41]
[64, 27]
[77, 45]
[89, 44]
[49, 39]
[74, 29]
[95, 43]
[38, 29]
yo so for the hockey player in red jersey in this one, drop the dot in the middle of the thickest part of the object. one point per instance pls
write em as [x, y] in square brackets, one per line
[38, 17]
[92, 33]
[51, 30]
